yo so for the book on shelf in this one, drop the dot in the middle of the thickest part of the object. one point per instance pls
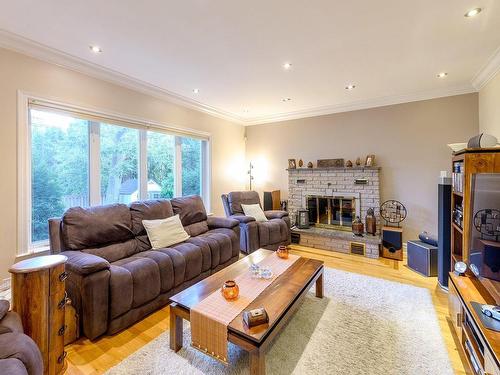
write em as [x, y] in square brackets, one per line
[457, 177]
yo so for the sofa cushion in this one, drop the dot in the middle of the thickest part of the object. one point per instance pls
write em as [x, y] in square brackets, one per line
[165, 266]
[133, 282]
[233, 236]
[194, 259]
[190, 209]
[96, 226]
[165, 232]
[220, 246]
[236, 198]
[178, 262]
[114, 251]
[255, 211]
[149, 210]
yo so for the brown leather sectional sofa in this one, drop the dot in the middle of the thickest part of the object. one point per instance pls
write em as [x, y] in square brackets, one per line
[115, 278]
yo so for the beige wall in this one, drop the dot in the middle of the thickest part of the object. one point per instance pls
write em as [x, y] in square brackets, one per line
[18, 72]
[489, 107]
[409, 141]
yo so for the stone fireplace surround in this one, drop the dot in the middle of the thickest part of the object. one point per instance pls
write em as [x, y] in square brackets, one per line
[304, 182]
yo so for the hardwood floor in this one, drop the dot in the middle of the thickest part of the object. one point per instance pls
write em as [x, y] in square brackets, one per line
[87, 357]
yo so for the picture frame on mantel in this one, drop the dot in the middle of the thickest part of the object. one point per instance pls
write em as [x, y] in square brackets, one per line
[292, 164]
[370, 160]
[331, 163]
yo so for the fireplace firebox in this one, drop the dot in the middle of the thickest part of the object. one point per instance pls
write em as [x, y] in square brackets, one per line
[333, 212]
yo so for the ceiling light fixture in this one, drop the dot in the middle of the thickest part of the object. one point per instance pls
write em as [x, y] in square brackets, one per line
[286, 100]
[442, 75]
[473, 12]
[287, 66]
[350, 87]
[95, 49]
[196, 91]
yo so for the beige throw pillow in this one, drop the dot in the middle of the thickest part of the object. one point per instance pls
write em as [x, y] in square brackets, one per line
[165, 232]
[254, 211]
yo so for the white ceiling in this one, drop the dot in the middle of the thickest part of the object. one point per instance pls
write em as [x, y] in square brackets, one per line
[233, 51]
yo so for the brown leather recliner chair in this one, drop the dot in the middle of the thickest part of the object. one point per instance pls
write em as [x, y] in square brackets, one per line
[116, 279]
[254, 235]
[19, 355]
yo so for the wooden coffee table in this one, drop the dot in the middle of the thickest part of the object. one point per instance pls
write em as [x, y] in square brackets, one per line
[281, 299]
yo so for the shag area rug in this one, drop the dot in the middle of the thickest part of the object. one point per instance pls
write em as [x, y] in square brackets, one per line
[363, 325]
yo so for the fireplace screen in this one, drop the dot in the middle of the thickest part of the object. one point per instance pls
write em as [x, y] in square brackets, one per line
[332, 212]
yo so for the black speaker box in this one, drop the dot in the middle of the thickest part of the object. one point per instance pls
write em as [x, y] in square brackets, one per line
[392, 243]
[444, 231]
[268, 201]
[423, 258]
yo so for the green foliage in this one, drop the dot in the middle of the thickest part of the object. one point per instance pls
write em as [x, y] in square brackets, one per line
[59, 169]
[60, 165]
[161, 151]
[191, 166]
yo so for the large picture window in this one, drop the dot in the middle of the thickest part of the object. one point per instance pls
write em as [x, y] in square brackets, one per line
[77, 159]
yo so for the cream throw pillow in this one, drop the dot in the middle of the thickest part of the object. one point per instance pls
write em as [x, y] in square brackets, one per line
[165, 232]
[254, 211]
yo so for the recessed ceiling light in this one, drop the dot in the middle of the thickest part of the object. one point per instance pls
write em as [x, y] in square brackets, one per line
[442, 75]
[95, 49]
[196, 91]
[287, 66]
[473, 12]
[286, 99]
[350, 87]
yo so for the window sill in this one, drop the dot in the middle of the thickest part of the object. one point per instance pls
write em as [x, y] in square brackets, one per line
[34, 252]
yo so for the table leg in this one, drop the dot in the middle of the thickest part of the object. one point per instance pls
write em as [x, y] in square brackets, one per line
[175, 330]
[257, 362]
[319, 286]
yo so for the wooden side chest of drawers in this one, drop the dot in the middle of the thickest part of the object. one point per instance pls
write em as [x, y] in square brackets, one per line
[39, 297]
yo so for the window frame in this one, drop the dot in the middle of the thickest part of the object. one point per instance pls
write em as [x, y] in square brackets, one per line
[26, 101]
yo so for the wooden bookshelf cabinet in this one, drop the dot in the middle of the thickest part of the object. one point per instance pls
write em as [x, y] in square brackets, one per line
[479, 345]
[472, 162]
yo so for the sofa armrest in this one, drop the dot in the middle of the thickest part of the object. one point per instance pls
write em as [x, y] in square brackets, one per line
[221, 222]
[84, 264]
[22, 348]
[242, 218]
[11, 322]
[275, 214]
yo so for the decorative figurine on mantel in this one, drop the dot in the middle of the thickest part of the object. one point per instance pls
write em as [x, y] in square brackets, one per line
[348, 164]
[358, 162]
[301, 163]
[310, 164]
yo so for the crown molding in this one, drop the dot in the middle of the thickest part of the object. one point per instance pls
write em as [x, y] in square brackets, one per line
[51, 55]
[42, 52]
[488, 71]
[363, 104]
